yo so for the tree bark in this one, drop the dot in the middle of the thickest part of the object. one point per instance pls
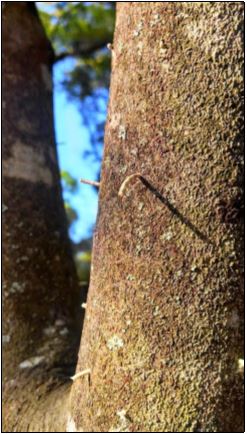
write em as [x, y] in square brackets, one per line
[163, 333]
[41, 296]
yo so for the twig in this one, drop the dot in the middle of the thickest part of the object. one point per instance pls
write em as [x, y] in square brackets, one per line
[126, 181]
[81, 374]
[93, 183]
[81, 51]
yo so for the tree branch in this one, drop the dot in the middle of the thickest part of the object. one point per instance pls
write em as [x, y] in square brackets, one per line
[82, 52]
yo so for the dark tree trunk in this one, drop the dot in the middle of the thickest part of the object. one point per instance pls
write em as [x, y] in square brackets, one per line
[41, 297]
[163, 334]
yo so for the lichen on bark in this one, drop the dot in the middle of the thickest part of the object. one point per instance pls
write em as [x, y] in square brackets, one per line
[173, 299]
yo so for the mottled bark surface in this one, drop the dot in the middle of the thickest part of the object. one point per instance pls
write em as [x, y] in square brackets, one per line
[164, 324]
[40, 289]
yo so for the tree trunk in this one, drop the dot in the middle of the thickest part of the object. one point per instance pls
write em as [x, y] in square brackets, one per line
[41, 297]
[163, 334]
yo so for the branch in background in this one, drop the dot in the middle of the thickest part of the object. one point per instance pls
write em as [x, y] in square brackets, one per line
[81, 52]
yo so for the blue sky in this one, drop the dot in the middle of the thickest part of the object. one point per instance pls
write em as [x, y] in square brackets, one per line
[72, 140]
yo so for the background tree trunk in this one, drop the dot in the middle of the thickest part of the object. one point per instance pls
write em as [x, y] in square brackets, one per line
[164, 324]
[41, 297]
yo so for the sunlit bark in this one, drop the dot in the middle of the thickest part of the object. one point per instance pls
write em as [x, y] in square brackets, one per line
[163, 337]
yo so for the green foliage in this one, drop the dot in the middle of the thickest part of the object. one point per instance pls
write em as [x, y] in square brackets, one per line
[83, 264]
[47, 22]
[81, 31]
[71, 213]
[75, 26]
[69, 183]
[88, 75]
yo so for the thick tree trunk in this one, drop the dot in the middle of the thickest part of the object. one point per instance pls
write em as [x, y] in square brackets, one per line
[164, 325]
[40, 288]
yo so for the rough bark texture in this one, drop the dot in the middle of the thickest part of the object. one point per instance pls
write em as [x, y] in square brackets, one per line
[164, 323]
[40, 289]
